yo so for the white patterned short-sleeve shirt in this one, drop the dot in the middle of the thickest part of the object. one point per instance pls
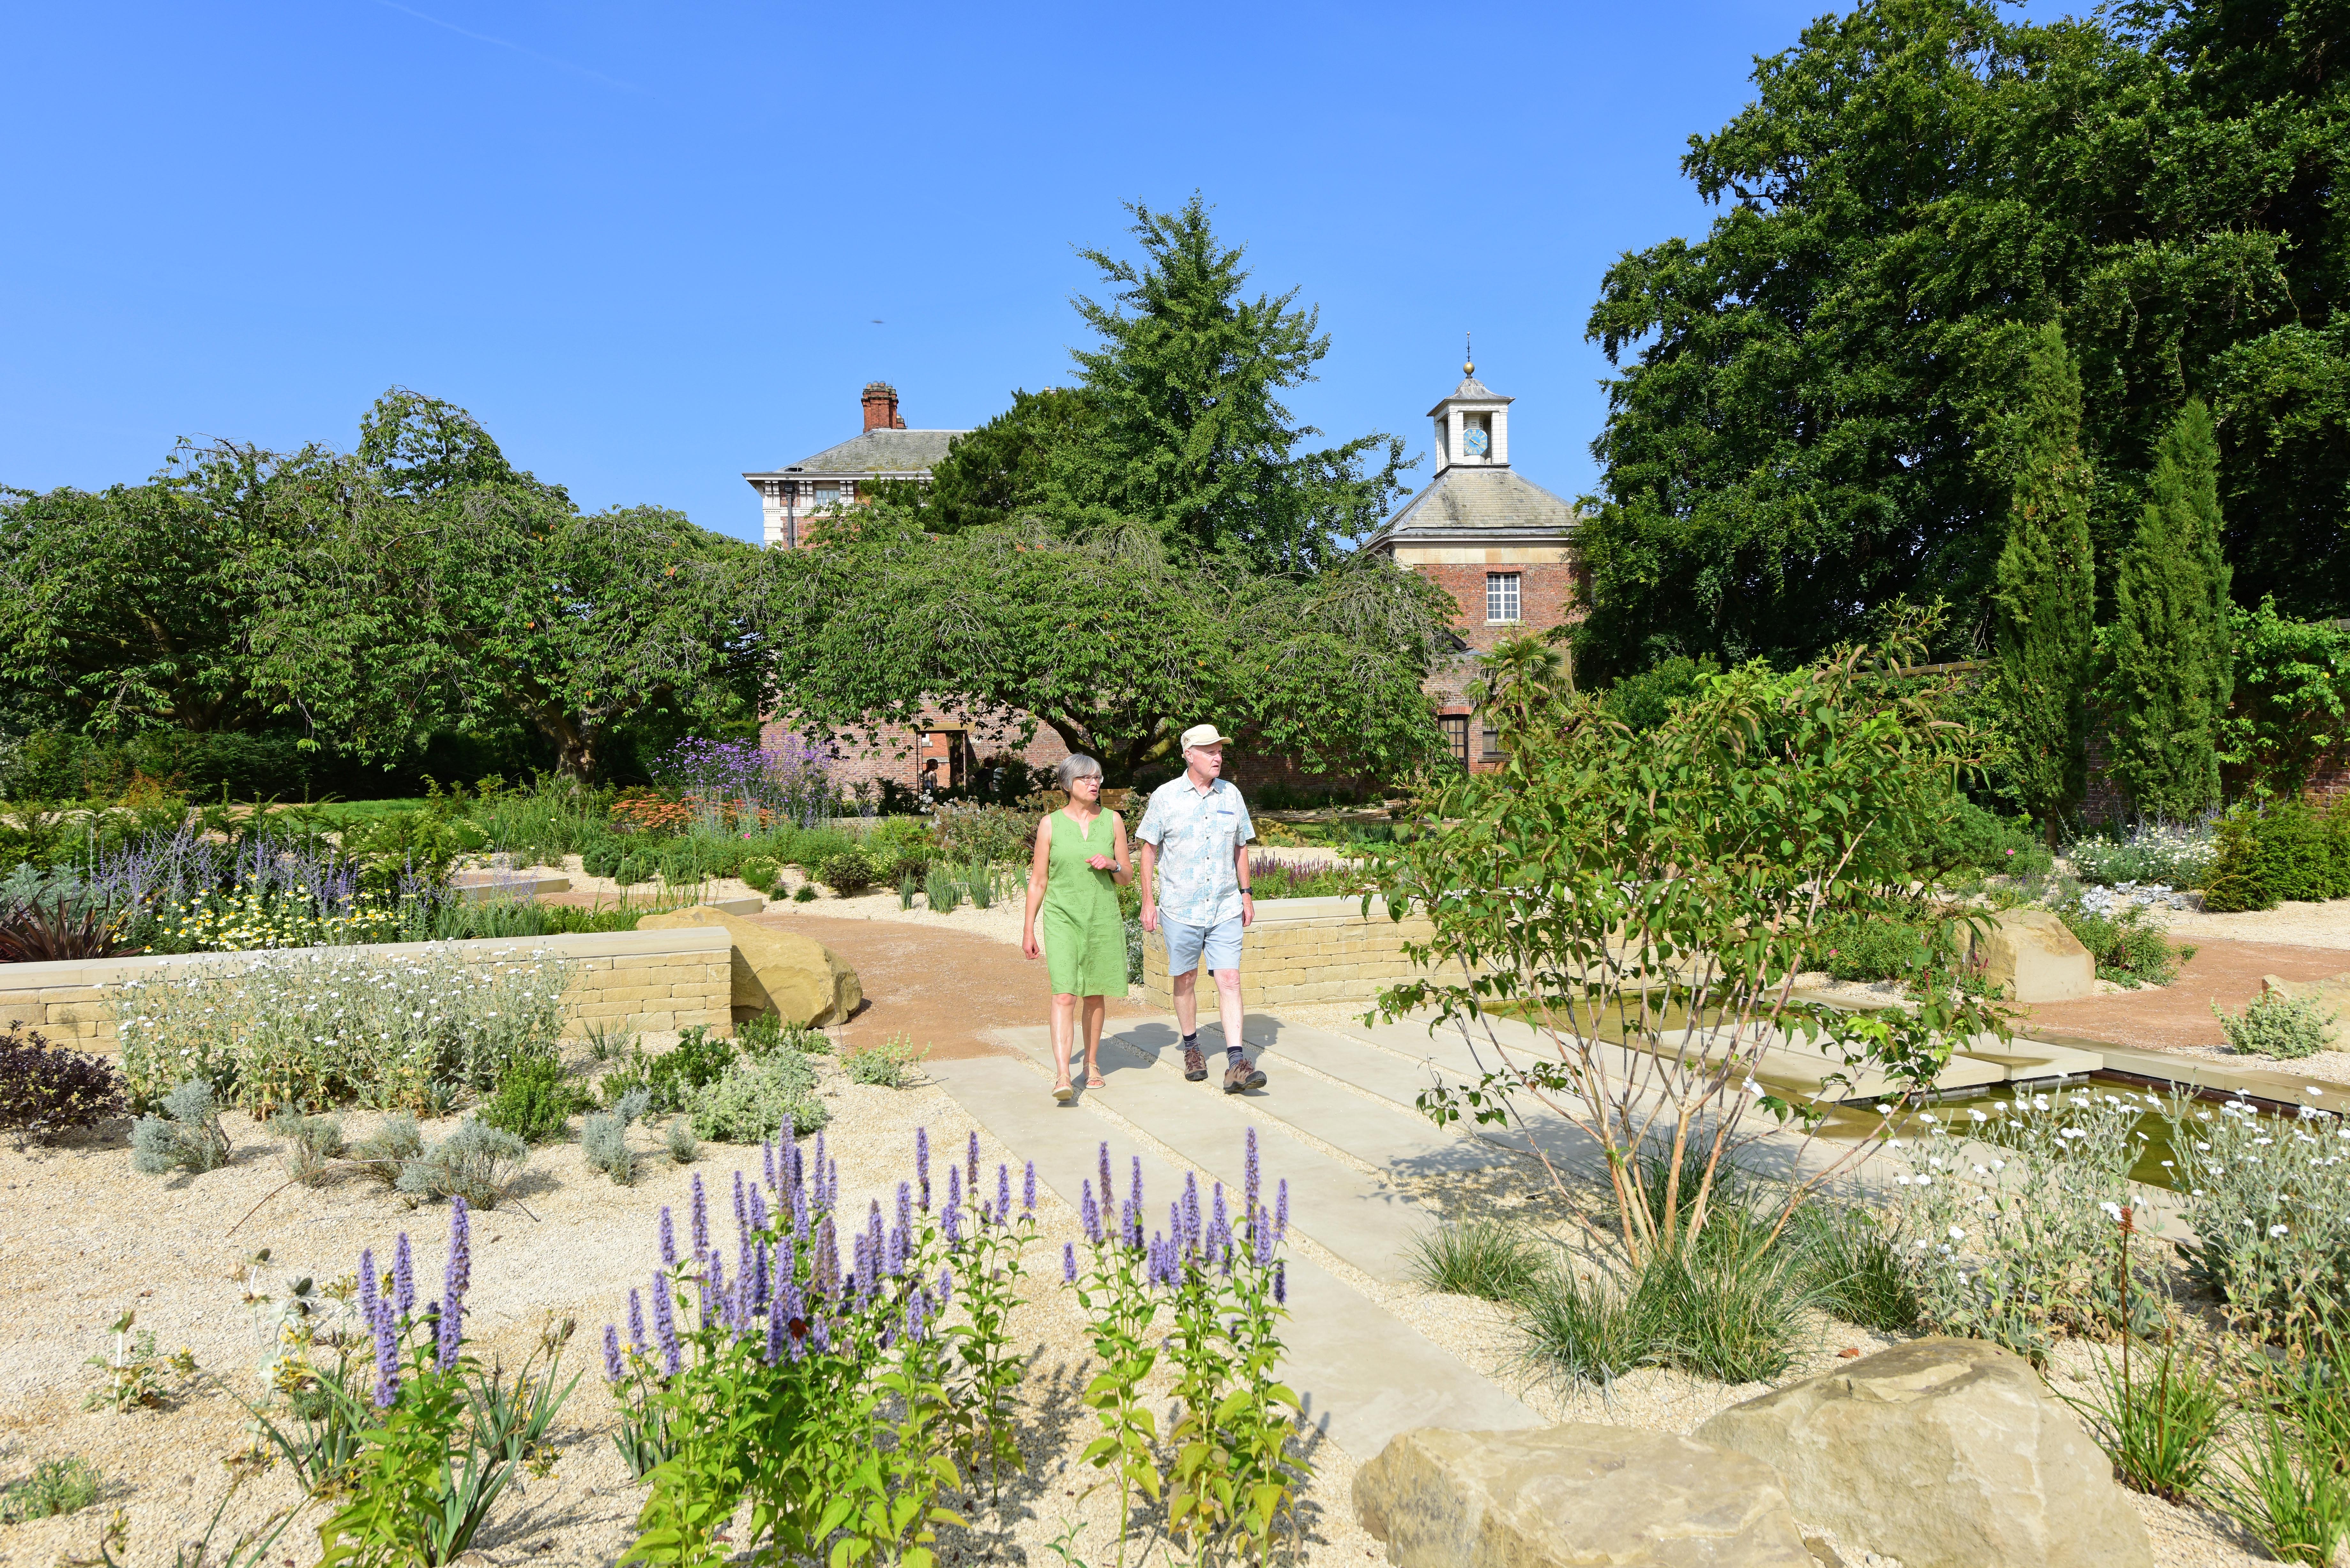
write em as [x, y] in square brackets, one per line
[1197, 836]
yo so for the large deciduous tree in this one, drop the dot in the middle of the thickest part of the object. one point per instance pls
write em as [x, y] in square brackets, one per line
[1107, 640]
[1793, 439]
[2167, 677]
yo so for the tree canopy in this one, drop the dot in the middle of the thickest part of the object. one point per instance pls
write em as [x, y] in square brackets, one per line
[1794, 440]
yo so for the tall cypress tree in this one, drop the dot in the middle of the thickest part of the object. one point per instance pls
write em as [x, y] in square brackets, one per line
[2044, 595]
[2167, 674]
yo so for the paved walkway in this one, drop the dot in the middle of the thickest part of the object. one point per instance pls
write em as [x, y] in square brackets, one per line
[1362, 1373]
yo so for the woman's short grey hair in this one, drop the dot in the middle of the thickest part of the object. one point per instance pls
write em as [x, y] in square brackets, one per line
[1074, 767]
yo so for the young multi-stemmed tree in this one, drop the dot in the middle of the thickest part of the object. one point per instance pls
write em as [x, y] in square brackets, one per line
[2168, 675]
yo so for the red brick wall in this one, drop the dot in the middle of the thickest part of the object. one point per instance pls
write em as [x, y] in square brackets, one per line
[1545, 597]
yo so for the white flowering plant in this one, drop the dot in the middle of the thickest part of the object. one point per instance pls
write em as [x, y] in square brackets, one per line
[2175, 855]
[305, 1029]
[2269, 1198]
[2008, 1211]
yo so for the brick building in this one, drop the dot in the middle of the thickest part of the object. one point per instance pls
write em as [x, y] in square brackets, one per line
[1499, 544]
[941, 749]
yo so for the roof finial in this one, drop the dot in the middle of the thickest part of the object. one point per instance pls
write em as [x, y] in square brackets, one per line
[1468, 356]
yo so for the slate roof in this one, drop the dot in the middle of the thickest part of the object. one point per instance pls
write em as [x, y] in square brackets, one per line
[1472, 390]
[876, 451]
[1480, 500]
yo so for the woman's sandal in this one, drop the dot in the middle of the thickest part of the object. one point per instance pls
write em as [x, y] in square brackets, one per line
[1063, 1092]
[1096, 1081]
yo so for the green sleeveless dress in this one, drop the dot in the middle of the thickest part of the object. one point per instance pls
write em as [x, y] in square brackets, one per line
[1084, 936]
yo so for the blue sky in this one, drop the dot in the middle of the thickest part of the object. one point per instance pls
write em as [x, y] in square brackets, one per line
[649, 245]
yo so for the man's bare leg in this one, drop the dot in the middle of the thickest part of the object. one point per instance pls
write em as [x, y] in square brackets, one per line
[1187, 1002]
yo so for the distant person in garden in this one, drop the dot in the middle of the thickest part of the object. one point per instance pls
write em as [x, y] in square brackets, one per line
[1078, 858]
[1196, 834]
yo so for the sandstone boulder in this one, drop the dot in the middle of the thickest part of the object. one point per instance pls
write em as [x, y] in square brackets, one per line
[797, 976]
[2332, 995]
[1573, 1495]
[1944, 1453]
[2034, 955]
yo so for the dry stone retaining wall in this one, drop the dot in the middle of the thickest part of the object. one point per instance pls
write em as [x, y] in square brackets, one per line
[1305, 950]
[637, 980]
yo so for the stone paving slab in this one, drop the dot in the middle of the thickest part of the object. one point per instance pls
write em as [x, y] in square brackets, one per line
[1362, 1375]
[1342, 1209]
[1377, 1131]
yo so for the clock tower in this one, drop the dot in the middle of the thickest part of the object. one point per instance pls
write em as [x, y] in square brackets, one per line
[1473, 425]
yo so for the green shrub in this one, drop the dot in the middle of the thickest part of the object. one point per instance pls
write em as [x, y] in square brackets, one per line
[2239, 877]
[2281, 851]
[984, 834]
[761, 874]
[385, 1151]
[601, 855]
[187, 1136]
[757, 1097]
[1487, 1259]
[2276, 1024]
[1643, 702]
[766, 1031]
[1852, 946]
[699, 1059]
[848, 871]
[475, 1163]
[803, 894]
[889, 1064]
[534, 1100]
[46, 1090]
[683, 1146]
[55, 1487]
[2128, 948]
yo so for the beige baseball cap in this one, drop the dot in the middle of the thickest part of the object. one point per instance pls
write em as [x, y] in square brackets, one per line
[1201, 735]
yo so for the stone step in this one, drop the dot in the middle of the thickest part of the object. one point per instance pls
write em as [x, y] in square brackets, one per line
[1362, 1375]
[1342, 1209]
[1375, 1131]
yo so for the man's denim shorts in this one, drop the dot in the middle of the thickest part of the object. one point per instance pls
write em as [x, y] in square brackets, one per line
[1221, 942]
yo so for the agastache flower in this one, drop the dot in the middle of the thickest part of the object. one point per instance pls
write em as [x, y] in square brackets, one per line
[1138, 1181]
[403, 1278]
[775, 1346]
[668, 1239]
[616, 1371]
[369, 1286]
[1090, 1212]
[768, 1158]
[1107, 1195]
[1069, 1261]
[1281, 1284]
[827, 1196]
[1003, 1194]
[1183, 1224]
[906, 1204]
[451, 1336]
[1217, 1223]
[636, 1321]
[1249, 1175]
[1280, 1211]
[387, 1357]
[922, 1165]
[954, 1188]
[461, 1251]
[1261, 1228]
[665, 1326]
[700, 1216]
[971, 1163]
[1028, 1188]
[951, 1220]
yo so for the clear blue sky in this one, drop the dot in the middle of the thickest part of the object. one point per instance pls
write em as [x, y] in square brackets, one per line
[648, 244]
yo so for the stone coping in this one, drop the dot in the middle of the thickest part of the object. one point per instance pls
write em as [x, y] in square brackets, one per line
[709, 940]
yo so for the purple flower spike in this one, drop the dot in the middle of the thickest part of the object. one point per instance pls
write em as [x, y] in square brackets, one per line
[1280, 1211]
[699, 1216]
[665, 1326]
[906, 1204]
[452, 1336]
[1028, 1188]
[460, 1249]
[758, 1211]
[830, 1197]
[954, 1188]
[713, 1292]
[1185, 1225]
[387, 1357]
[951, 1220]
[1068, 1262]
[1261, 1228]
[403, 1278]
[1281, 1284]
[774, 1351]
[1090, 1213]
[768, 1160]
[616, 1371]
[831, 1183]
[799, 1214]
[636, 1321]
[742, 1207]
[1249, 1177]
[668, 1239]
[946, 1288]
[1108, 1194]
[1175, 1233]
[915, 1300]
[1002, 1194]
[1216, 1221]
[971, 1163]
[922, 1164]
[1138, 1181]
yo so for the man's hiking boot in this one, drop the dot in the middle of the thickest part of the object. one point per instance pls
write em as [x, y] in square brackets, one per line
[1195, 1066]
[1241, 1077]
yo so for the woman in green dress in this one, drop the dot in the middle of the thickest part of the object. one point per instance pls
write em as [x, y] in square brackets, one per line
[1078, 855]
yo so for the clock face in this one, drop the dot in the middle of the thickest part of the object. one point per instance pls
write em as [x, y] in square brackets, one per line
[1474, 442]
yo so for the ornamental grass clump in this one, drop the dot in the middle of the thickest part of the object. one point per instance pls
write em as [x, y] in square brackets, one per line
[1490, 1259]
[55, 1487]
[315, 1029]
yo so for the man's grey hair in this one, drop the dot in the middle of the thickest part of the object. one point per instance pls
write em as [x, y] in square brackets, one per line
[1074, 767]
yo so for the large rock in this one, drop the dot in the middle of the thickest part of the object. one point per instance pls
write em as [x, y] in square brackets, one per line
[797, 976]
[2332, 995]
[1573, 1495]
[1945, 1453]
[2034, 955]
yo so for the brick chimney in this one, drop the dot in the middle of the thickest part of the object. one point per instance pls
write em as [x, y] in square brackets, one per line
[881, 407]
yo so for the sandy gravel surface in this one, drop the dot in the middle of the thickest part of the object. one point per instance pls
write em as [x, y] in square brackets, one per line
[82, 1237]
[2325, 925]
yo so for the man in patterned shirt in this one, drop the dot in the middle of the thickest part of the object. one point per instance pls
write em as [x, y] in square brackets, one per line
[1195, 834]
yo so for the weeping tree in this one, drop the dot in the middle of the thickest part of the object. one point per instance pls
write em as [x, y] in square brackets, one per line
[2167, 674]
[2044, 586]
